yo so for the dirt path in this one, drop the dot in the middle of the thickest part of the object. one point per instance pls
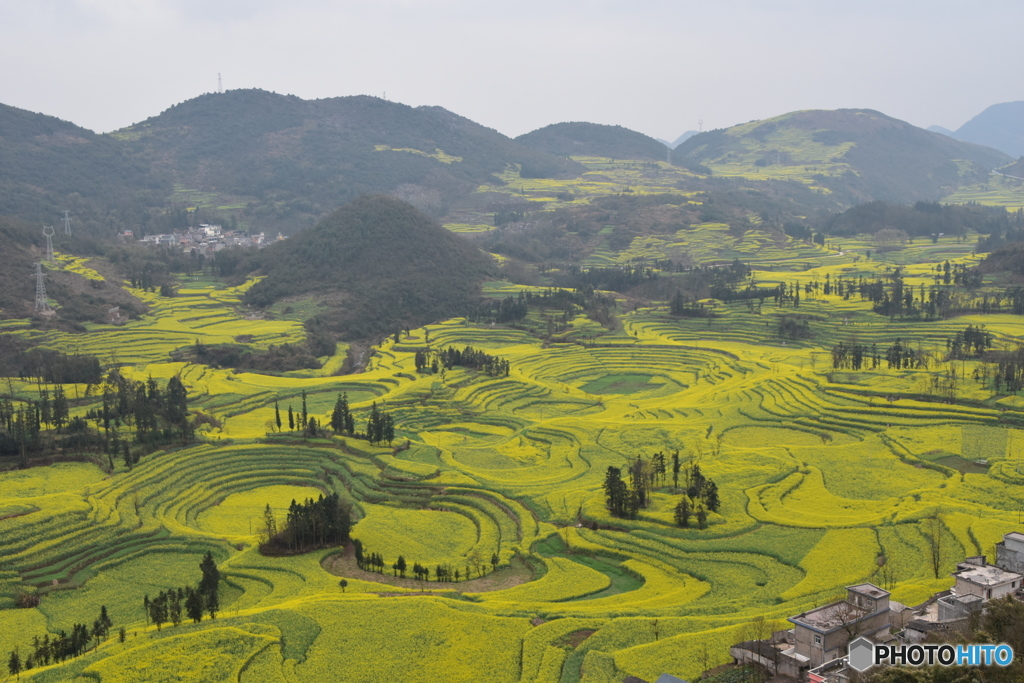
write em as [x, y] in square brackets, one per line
[518, 573]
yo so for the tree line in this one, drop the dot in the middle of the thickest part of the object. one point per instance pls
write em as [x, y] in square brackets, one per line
[152, 417]
[193, 602]
[570, 302]
[475, 359]
[63, 646]
[447, 573]
[380, 425]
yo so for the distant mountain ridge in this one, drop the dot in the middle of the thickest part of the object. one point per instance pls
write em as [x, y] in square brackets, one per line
[860, 154]
[290, 161]
[579, 138]
[1000, 126]
[308, 156]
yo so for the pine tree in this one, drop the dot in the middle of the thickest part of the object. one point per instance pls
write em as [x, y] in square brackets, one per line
[291, 419]
[683, 511]
[209, 584]
[194, 606]
[277, 415]
[305, 415]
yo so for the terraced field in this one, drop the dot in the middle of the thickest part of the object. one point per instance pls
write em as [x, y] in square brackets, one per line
[820, 473]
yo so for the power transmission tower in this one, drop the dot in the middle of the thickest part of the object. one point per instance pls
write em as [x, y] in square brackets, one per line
[41, 305]
[49, 242]
[67, 224]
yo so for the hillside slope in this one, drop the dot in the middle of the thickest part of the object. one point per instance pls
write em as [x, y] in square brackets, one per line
[1001, 126]
[50, 165]
[301, 158]
[859, 154]
[579, 138]
[379, 265]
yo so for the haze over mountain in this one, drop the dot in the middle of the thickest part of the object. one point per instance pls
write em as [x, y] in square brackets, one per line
[277, 162]
[859, 154]
[1000, 126]
[288, 160]
[378, 265]
[309, 156]
[593, 139]
[679, 140]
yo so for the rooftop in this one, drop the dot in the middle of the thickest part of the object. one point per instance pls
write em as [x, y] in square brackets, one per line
[1014, 536]
[987, 576]
[830, 617]
[868, 589]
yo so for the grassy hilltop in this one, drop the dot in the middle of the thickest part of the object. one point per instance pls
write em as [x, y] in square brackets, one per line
[857, 153]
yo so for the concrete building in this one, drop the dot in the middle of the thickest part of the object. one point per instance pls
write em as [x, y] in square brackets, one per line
[821, 634]
[1010, 552]
[974, 576]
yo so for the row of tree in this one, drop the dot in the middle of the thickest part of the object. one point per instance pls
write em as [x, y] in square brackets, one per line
[168, 605]
[63, 646]
[374, 562]
[970, 342]
[858, 356]
[151, 415]
[380, 425]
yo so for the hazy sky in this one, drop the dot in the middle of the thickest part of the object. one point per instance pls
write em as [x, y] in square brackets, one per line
[656, 66]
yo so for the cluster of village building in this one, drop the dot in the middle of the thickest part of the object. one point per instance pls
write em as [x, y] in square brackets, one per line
[815, 648]
[204, 239]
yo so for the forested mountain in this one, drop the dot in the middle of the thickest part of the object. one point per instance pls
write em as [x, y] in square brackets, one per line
[858, 154]
[579, 138]
[297, 159]
[924, 219]
[1006, 259]
[379, 265]
[1000, 126]
[48, 166]
[288, 161]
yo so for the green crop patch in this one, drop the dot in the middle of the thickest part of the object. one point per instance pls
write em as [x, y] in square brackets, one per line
[619, 384]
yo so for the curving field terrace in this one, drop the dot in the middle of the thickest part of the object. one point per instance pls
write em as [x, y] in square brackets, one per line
[819, 472]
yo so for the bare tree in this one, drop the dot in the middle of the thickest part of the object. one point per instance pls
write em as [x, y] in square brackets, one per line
[933, 535]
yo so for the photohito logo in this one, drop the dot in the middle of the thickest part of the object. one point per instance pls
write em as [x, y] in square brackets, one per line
[864, 654]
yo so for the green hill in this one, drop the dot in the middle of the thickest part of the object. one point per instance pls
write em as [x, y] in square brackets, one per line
[593, 140]
[50, 165]
[1000, 126]
[858, 154]
[296, 159]
[1006, 259]
[377, 265]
